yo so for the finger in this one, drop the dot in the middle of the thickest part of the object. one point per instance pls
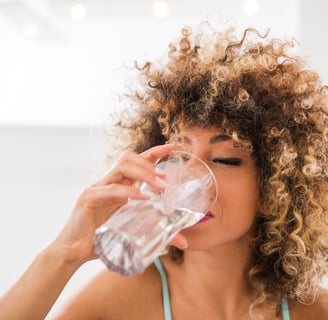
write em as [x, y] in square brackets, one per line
[130, 156]
[118, 192]
[155, 153]
[128, 173]
[134, 173]
[98, 197]
[115, 173]
[144, 160]
[179, 241]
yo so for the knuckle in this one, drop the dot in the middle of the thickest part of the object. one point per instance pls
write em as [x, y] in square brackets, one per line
[124, 158]
[87, 194]
[87, 198]
[126, 155]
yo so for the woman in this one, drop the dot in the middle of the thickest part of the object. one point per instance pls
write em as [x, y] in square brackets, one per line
[258, 118]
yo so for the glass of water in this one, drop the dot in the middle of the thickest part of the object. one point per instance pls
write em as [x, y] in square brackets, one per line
[137, 233]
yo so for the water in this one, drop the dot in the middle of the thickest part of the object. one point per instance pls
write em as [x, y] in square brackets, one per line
[138, 233]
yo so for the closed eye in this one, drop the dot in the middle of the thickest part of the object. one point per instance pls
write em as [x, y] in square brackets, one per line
[228, 161]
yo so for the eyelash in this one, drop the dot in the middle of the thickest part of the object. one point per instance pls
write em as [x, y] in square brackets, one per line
[228, 161]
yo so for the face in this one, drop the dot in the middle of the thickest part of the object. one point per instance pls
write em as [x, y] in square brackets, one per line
[230, 219]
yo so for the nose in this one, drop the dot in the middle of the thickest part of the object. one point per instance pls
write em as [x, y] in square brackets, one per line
[198, 153]
[189, 158]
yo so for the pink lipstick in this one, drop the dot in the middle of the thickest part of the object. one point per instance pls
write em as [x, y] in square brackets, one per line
[207, 216]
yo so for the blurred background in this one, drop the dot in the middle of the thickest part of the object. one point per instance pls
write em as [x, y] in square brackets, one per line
[62, 63]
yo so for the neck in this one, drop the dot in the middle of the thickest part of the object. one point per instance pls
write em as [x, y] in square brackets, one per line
[224, 267]
[219, 278]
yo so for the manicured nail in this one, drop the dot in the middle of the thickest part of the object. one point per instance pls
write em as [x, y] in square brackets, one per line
[161, 182]
[147, 194]
[183, 244]
[160, 172]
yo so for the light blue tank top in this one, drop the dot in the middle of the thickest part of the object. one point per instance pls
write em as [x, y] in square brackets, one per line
[166, 296]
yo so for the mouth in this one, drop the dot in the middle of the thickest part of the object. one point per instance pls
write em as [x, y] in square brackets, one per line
[207, 216]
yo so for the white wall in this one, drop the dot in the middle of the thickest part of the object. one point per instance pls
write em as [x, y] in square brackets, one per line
[67, 72]
[42, 172]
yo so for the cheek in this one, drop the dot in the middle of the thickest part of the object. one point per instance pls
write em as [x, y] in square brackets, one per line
[239, 198]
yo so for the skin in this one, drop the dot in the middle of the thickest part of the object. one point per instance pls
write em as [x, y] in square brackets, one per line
[234, 211]
[210, 283]
[55, 265]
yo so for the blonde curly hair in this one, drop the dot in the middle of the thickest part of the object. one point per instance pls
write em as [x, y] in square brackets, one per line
[271, 104]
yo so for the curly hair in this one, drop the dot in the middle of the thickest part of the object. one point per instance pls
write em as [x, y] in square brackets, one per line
[255, 90]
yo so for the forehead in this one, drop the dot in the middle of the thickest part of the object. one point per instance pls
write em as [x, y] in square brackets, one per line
[213, 135]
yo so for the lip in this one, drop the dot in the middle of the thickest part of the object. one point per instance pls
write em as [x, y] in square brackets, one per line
[207, 216]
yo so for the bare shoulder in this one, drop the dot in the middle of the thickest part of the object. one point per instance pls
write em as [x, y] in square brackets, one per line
[320, 305]
[111, 296]
[317, 310]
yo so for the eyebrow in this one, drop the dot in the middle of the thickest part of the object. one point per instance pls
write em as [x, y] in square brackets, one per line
[213, 140]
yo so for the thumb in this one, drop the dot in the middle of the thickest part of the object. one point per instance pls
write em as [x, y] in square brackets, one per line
[179, 241]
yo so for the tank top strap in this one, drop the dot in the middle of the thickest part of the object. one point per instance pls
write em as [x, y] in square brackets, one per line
[285, 309]
[166, 295]
[165, 290]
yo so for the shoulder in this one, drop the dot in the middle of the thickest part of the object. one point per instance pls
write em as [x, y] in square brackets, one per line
[317, 310]
[111, 296]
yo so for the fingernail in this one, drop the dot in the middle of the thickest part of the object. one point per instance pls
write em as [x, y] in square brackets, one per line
[147, 193]
[183, 244]
[160, 172]
[161, 182]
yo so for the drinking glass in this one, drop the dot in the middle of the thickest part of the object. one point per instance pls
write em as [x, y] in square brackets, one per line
[137, 233]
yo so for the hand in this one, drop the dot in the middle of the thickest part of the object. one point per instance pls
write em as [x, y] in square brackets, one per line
[98, 202]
